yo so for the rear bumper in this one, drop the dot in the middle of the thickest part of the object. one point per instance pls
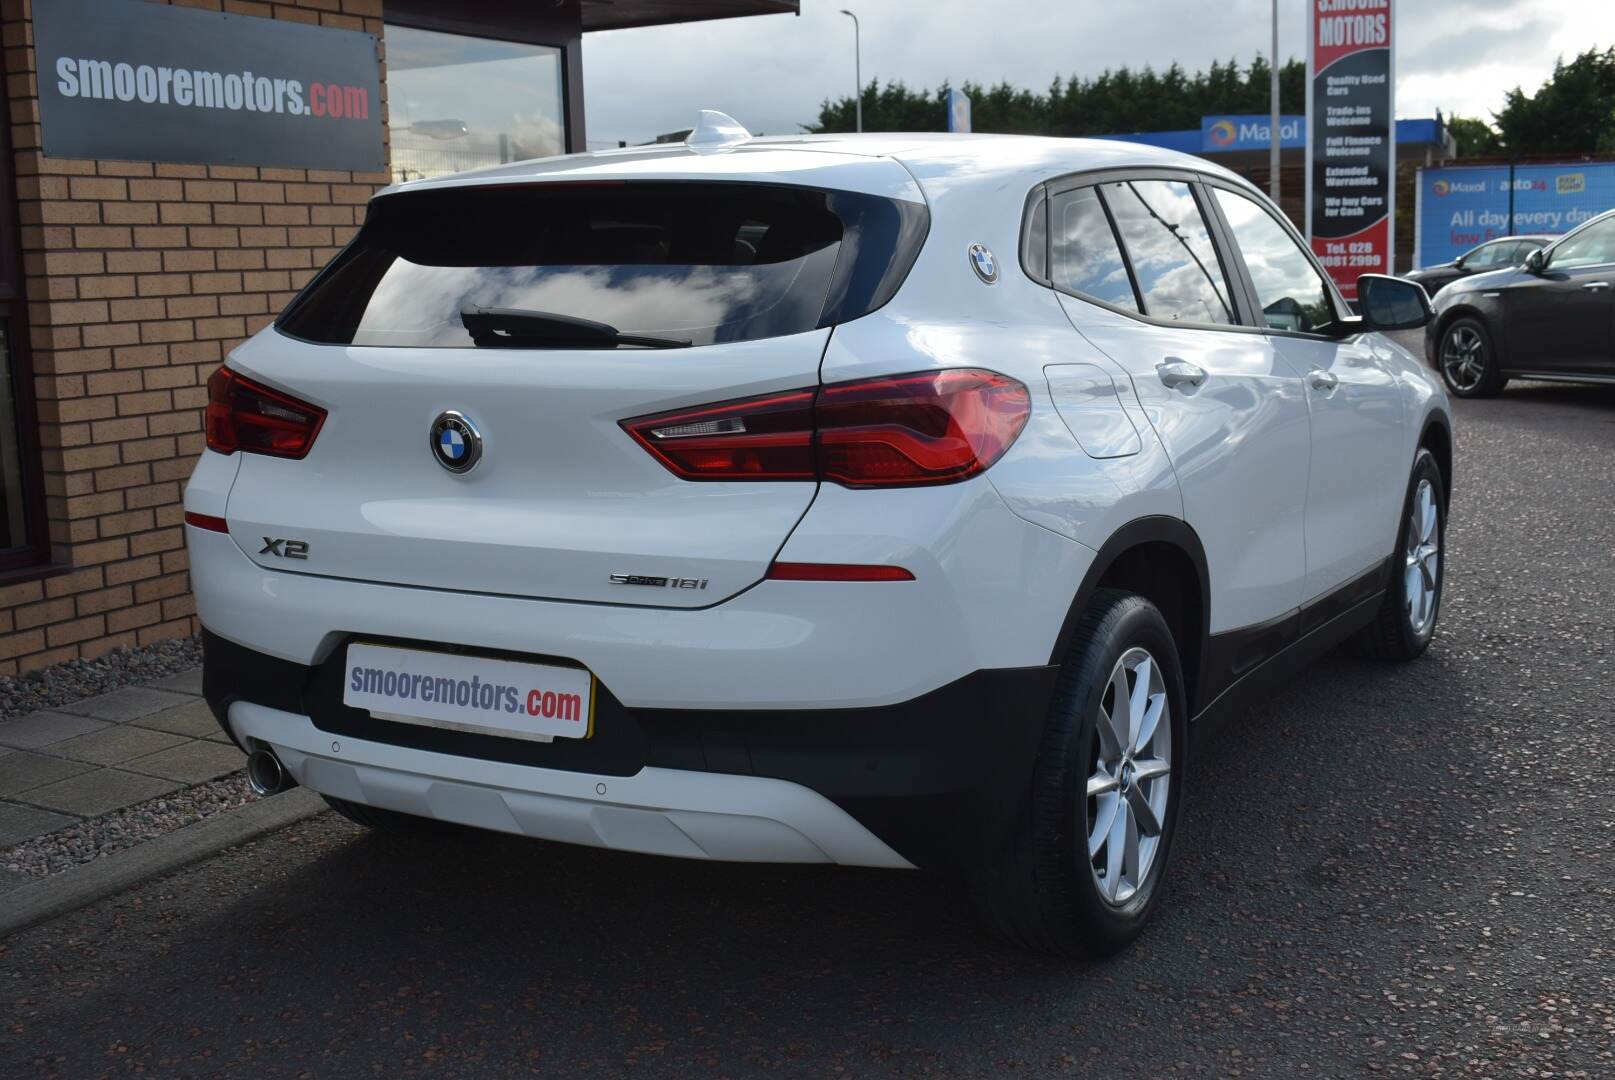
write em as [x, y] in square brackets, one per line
[993, 591]
[935, 781]
[655, 812]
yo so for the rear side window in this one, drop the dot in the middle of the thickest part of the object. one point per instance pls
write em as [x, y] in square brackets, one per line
[1174, 263]
[1084, 255]
[1492, 255]
[675, 262]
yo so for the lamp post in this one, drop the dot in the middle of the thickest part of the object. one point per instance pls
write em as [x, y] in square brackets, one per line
[1276, 136]
[858, 68]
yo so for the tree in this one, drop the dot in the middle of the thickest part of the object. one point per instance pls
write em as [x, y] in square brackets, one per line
[1474, 138]
[1111, 103]
[1572, 113]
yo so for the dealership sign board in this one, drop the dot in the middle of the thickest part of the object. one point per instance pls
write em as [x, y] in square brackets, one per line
[1458, 208]
[1351, 138]
[148, 82]
[1225, 134]
[958, 110]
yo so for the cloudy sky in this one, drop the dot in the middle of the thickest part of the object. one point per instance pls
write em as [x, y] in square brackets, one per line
[771, 72]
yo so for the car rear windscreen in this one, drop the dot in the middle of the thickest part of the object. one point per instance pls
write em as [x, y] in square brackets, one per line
[681, 262]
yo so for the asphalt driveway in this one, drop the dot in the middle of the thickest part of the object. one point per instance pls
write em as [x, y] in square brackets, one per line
[1384, 869]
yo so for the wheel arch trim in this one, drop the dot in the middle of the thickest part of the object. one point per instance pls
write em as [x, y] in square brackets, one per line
[1154, 529]
[1438, 426]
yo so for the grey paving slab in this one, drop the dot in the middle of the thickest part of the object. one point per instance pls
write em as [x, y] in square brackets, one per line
[93, 793]
[194, 720]
[24, 771]
[186, 682]
[130, 703]
[192, 762]
[114, 745]
[19, 823]
[41, 729]
[36, 900]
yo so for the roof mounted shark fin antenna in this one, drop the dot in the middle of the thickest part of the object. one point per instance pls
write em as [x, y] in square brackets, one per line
[716, 131]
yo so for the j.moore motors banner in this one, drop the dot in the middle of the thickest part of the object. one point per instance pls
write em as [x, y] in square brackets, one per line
[1458, 208]
[149, 82]
[1351, 138]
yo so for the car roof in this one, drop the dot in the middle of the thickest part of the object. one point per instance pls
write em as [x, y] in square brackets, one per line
[940, 162]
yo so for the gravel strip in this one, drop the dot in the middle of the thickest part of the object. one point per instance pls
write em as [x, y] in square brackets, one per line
[73, 680]
[90, 840]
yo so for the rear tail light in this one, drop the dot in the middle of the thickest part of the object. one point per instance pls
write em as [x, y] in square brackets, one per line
[243, 415]
[933, 427]
[761, 438]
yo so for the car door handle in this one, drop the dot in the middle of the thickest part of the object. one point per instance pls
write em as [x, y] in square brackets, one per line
[1175, 372]
[1594, 286]
[1323, 380]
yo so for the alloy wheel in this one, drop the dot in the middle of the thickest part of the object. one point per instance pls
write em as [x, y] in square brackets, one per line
[1422, 567]
[1130, 775]
[1463, 358]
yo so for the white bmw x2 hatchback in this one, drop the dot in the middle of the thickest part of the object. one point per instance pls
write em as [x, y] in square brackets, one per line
[894, 501]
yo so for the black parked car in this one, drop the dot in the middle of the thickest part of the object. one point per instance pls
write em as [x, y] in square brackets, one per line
[1553, 318]
[1492, 255]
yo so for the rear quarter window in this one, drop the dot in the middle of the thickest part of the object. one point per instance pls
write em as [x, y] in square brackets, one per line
[1084, 254]
[698, 262]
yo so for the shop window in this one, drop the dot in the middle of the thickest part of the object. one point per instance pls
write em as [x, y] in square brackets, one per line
[457, 102]
[23, 542]
[13, 502]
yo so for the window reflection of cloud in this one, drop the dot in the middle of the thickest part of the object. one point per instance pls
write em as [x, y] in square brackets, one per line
[1278, 268]
[421, 305]
[1173, 285]
[1086, 257]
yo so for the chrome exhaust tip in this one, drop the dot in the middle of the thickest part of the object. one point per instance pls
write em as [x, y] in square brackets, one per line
[266, 775]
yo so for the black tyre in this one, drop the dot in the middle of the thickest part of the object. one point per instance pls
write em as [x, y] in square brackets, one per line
[1407, 619]
[1468, 360]
[374, 817]
[1081, 875]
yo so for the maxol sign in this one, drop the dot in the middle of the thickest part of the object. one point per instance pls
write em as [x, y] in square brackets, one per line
[1222, 134]
[1460, 207]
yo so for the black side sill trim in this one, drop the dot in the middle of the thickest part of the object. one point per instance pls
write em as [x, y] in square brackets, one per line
[1276, 670]
[1562, 376]
[1233, 654]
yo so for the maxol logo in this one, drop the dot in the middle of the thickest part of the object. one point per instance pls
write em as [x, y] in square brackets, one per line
[1223, 133]
[1458, 187]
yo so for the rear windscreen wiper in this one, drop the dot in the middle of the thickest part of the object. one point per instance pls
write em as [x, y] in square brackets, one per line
[518, 328]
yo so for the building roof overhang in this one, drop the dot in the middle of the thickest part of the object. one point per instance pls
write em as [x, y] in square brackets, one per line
[622, 14]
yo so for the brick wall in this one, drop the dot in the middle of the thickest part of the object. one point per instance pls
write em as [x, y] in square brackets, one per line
[140, 278]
